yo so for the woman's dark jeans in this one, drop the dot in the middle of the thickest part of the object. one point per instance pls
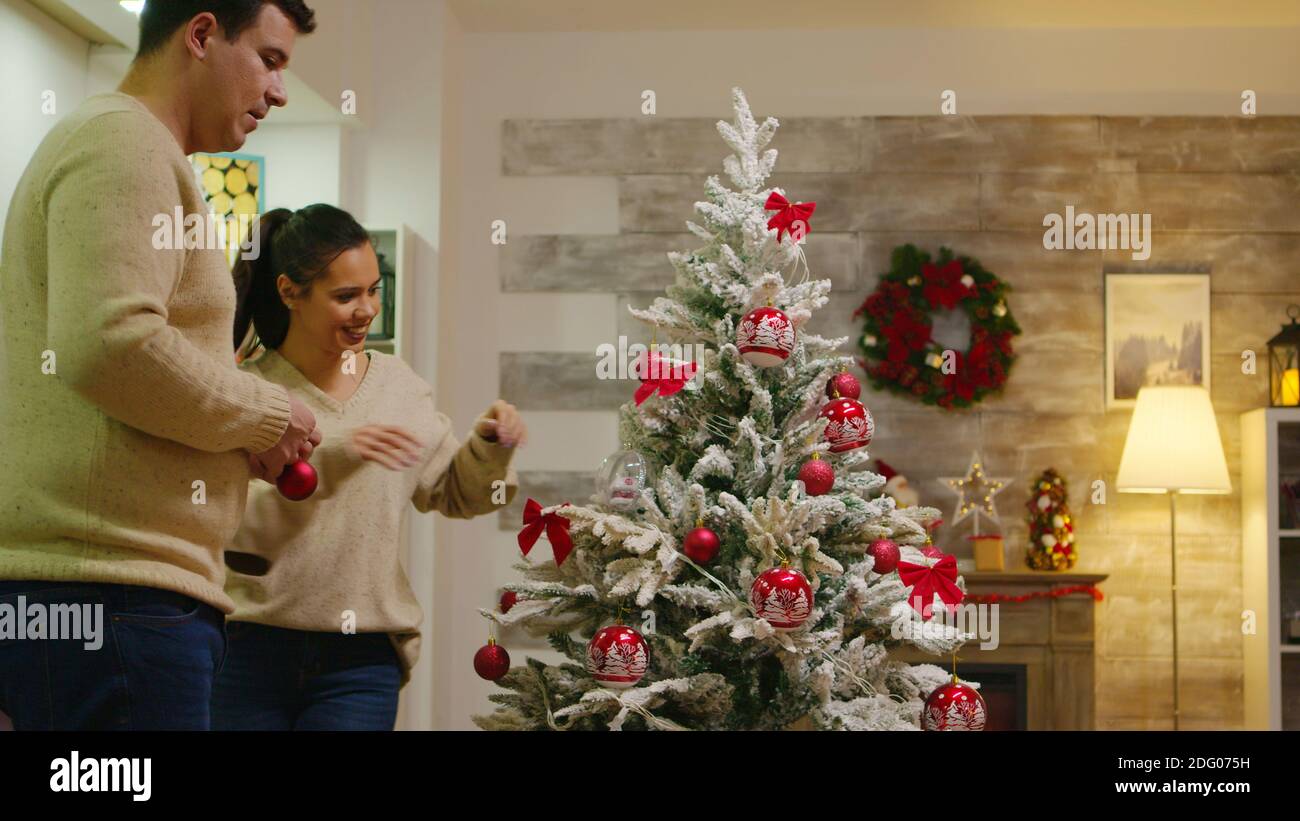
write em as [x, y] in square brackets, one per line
[280, 679]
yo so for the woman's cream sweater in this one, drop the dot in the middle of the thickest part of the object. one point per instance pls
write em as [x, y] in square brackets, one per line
[335, 558]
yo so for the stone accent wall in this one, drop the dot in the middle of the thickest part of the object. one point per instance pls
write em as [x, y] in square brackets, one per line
[1224, 194]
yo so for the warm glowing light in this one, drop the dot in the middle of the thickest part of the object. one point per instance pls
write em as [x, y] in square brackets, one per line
[1173, 444]
[1291, 387]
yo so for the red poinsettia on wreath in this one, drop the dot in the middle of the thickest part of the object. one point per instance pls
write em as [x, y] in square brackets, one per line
[899, 351]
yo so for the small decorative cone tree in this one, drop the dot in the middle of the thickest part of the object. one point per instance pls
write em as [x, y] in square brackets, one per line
[1051, 527]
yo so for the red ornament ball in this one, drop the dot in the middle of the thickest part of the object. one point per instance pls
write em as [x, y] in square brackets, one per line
[817, 476]
[932, 552]
[701, 545]
[765, 337]
[850, 425]
[297, 481]
[845, 384]
[954, 706]
[508, 600]
[886, 554]
[783, 597]
[491, 661]
[617, 656]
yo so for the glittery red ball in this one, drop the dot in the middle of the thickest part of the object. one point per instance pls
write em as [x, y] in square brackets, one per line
[817, 476]
[932, 552]
[954, 706]
[297, 481]
[508, 600]
[491, 661]
[846, 384]
[701, 545]
[885, 552]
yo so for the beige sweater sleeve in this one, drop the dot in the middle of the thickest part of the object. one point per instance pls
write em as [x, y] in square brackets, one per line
[109, 290]
[458, 480]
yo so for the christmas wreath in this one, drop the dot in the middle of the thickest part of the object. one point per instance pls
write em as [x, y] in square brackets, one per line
[900, 354]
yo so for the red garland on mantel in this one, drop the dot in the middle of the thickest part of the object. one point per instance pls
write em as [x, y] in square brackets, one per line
[991, 598]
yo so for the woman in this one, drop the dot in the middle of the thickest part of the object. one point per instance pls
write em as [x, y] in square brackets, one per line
[326, 626]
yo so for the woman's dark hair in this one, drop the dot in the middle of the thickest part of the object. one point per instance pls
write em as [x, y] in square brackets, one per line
[299, 244]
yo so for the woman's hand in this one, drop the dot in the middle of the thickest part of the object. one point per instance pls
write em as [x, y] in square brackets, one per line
[501, 423]
[394, 447]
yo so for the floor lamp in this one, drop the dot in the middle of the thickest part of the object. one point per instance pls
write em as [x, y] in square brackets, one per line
[1173, 447]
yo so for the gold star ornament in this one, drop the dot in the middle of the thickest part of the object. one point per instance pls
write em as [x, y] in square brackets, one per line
[975, 492]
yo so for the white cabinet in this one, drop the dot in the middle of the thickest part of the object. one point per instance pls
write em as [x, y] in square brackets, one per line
[1270, 575]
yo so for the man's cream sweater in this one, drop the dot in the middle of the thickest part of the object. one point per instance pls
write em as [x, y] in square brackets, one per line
[123, 418]
[333, 562]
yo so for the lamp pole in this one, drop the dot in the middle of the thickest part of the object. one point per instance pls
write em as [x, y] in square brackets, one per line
[1173, 445]
[1173, 588]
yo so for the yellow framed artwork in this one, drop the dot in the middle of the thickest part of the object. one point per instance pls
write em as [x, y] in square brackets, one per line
[234, 187]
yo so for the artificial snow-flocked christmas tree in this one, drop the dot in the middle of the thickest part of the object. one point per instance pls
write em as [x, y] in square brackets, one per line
[784, 618]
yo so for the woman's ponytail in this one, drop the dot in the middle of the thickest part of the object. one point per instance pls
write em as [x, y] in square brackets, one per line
[299, 244]
[257, 299]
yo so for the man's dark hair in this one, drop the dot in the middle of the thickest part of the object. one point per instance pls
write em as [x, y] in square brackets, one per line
[161, 18]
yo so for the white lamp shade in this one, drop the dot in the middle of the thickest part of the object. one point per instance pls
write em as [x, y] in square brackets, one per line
[1173, 444]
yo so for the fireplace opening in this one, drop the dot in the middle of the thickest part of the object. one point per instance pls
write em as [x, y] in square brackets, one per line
[1003, 688]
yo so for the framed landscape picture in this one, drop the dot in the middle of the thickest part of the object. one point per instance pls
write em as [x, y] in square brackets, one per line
[1157, 333]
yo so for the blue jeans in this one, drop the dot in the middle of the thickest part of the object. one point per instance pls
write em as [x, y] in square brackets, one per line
[280, 679]
[152, 669]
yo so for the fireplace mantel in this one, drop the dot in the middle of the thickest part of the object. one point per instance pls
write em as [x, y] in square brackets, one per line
[1042, 580]
[1051, 638]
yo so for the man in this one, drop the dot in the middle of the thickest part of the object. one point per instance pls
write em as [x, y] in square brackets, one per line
[126, 431]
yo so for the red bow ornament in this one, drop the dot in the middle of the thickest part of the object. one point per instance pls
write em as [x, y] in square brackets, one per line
[555, 525]
[788, 214]
[927, 580]
[661, 374]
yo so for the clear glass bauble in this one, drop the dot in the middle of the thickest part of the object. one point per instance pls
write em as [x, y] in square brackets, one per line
[621, 479]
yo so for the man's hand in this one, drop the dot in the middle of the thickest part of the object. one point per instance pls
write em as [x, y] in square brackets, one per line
[501, 423]
[297, 443]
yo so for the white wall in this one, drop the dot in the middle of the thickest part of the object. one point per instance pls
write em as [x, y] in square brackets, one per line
[302, 163]
[889, 71]
[106, 67]
[36, 54]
